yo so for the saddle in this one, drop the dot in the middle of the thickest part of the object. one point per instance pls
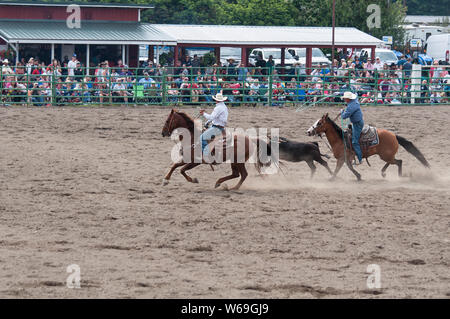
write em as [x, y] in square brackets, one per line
[369, 137]
[224, 141]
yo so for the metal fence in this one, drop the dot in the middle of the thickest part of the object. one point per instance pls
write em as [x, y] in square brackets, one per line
[167, 86]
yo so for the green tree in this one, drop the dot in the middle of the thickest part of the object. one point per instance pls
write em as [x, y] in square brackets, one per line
[428, 7]
[349, 13]
[182, 12]
[257, 12]
[353, 13]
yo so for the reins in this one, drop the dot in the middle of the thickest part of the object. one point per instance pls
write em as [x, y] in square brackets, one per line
[170, 122]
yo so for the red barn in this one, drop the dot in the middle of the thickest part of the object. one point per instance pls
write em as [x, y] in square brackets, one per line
[51, 30]
[115, 31]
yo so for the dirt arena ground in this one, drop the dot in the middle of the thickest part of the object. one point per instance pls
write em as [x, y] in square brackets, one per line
[83, 186]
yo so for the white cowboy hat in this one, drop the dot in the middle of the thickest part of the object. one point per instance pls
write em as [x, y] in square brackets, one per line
[349, 95]
[5, 61]
[219, 97]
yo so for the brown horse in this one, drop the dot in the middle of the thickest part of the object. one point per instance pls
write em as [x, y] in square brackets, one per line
[387, 147]
[178, 120]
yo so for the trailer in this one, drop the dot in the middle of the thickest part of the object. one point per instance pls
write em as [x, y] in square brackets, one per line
[438, 47]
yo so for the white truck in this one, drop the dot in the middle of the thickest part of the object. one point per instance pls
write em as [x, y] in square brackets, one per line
[318, 58]
[386, 56]
[265, 53]
[438, 47]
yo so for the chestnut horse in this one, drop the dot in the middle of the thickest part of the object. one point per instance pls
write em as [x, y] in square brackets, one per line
[387, 147]
[178, 120]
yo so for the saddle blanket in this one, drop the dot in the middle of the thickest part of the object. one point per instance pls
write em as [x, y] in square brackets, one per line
[369, 137]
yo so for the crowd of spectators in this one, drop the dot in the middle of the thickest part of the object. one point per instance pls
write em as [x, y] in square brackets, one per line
[36, 83]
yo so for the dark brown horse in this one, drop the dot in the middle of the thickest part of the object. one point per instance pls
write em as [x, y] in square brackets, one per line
[177, 120]
[386, 149]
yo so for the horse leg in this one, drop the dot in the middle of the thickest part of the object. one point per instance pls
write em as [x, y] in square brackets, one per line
[383, 170]
[312, 167]
[186, 168]
[399, 164]
[350, 166]
[243, 172]
[339, 164]
[169, 174]
[235, 174]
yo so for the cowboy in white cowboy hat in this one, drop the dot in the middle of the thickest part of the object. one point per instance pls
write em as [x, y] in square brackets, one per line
[6, 69]
[353, 111]
[218, 118]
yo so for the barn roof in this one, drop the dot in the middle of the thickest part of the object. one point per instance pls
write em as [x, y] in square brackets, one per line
[266, 35]
[40, 31]
[81, 4]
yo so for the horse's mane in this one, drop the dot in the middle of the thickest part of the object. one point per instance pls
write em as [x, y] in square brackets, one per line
[190, 122]
[337, 128]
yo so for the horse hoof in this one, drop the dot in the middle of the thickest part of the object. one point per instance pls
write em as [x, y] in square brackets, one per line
[165, 182]
[383, 175]
[195, 180]
[217, 185]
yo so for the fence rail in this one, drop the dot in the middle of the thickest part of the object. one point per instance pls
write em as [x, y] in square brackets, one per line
[243, 86]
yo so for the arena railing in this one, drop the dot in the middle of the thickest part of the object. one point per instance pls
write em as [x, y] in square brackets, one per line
[250, 86]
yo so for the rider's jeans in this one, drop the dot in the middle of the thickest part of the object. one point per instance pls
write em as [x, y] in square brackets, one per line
[207, 136]
[356, 133]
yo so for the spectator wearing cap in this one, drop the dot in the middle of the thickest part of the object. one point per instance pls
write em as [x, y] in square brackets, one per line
[78, 72]
[72, 65]
[6, 69]
[120, 89]
[30, 65]
[378, 65]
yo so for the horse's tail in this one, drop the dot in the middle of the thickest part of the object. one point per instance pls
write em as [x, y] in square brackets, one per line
[323, 155]
[263, 159]
[413, 150]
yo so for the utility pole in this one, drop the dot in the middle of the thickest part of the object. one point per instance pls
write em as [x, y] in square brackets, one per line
[332, 36]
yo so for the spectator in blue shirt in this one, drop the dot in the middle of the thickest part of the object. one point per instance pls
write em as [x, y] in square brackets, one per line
[146, 81]
[242, 72]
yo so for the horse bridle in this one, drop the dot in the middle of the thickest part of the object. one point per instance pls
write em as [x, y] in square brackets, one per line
[170, 123]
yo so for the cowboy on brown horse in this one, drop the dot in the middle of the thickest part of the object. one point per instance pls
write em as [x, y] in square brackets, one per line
[242, 150]
[386, 148]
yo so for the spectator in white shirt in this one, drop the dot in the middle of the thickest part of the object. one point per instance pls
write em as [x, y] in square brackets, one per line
[378, 65]
[72, 65]
[6, 69]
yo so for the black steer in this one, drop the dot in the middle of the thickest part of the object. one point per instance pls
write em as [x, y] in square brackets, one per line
[297, 152]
